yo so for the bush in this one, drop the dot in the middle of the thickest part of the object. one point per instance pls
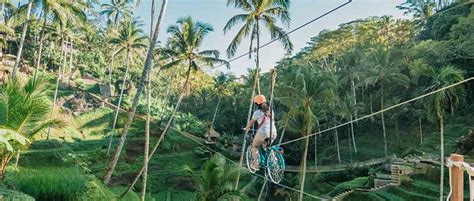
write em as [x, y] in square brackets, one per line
[95, 190]
[49, 183]
[11, 195]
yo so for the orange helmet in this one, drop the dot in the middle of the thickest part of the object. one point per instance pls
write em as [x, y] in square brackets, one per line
[259, 99]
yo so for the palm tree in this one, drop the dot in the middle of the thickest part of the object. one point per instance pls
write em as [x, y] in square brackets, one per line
[141, 85]
[257, 13]
[221, 82]
[309, 91]
[115, 11]
[438, 103]
[215, 183]
[183, 50]
[385, 73]
[22, 39]
[23, 110]
[129, 40]
[421, 10]
[59, 11]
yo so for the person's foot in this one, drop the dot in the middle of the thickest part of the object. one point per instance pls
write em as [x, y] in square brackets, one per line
[255, 166]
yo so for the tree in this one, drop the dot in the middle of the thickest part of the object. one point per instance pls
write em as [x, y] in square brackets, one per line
[216, 181]
[221, 82]
[58, 11]
[385, 73]
[308, 92]
[116, 10]
[23, 114]
[22, 39]
[266, 12]
[183, 50]
[129, 40]
[437, 104]
[136, 99]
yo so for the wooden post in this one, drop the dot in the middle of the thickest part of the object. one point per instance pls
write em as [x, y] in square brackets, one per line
[457, 181]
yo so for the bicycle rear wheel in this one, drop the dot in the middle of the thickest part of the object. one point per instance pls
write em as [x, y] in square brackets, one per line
[249, 159]
[275, 166]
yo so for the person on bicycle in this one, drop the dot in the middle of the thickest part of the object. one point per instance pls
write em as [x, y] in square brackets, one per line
[264, 118]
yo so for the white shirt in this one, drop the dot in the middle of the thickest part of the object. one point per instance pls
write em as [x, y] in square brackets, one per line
[265, 128]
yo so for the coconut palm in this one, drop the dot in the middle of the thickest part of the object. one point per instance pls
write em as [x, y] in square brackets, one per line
[183, 50]
[23, 113]
[221, 83]
[309, 91]
[141, 85]
[215, 183]
[437, 104]
[116, 10]
[385, 73]
[258, 14]
[22, 39]
[58, 11]
[130, 39]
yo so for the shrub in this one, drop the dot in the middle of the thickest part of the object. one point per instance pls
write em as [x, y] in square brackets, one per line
[95, 190]
[49, 183]
[11, 195]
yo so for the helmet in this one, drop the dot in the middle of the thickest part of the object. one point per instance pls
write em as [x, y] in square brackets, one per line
[259, 99]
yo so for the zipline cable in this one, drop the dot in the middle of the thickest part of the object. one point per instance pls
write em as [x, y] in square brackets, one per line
[288, 33]
[381, 111]
[240, 166]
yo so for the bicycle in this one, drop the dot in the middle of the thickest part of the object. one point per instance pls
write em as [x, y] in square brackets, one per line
[270, 158]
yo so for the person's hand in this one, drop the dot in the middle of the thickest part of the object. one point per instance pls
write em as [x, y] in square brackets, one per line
[246, 129]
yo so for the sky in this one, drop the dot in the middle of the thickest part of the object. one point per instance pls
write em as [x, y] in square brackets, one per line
[217, 13]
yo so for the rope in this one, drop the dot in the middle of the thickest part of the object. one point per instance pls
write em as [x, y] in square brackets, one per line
[286, 34]
[272, 87]
[241, 167]
[381, 111]
[464, 167]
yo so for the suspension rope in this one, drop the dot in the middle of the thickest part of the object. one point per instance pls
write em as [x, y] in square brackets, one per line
[286, 34]
[192, 137]
[272, 87]
[381, 111]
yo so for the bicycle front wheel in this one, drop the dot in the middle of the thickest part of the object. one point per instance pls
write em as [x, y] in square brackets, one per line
[275, 166]
[249, 159]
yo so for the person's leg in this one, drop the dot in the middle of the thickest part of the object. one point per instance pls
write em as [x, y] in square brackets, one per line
[257, 141]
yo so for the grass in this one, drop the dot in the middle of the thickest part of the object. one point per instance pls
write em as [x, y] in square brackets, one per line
[11, 195]
[49, 183]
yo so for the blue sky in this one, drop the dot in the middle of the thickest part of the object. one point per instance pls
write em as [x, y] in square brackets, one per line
[216, 13]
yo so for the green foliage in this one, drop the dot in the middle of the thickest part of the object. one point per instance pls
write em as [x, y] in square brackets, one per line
[47, 153]
[11, 195]
[49, 183]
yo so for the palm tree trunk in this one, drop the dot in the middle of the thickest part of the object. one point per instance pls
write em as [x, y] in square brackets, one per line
[131, 113]
[56, 88]
[303, 172]
[421, 130]
[316, 143]
[352, 133]
[215, 111]
[17, 159]
[148, 118]
[370, 102]
[147, 138]
[354, 95]
[350, 144]
[257, 57]
[22, 40]
[71, 54]
[117, 111]
[40, 50]
[383, 124]
[111, 65]
[336, 136]
[441, 133]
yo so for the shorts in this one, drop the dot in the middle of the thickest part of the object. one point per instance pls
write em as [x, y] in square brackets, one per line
[260, 137]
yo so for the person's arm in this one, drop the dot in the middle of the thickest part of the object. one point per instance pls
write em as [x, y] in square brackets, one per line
[249, 125]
